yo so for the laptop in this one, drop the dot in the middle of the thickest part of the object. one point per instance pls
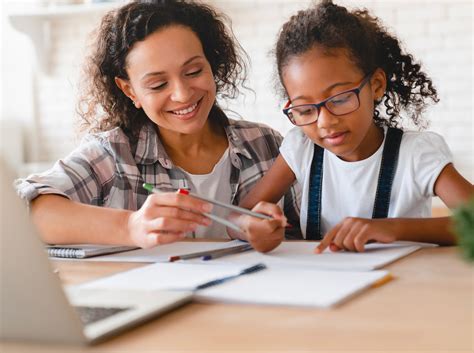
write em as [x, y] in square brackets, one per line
[33, 304]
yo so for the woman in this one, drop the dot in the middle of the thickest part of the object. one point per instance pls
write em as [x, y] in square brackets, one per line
[150, 105]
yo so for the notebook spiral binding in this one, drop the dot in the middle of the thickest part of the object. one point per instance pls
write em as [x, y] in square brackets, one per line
[70, 253]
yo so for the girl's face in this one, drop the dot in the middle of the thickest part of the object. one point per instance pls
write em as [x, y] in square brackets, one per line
[315, 76]
[171, 80]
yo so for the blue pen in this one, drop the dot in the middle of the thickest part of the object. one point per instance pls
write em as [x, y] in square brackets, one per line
[246, 271]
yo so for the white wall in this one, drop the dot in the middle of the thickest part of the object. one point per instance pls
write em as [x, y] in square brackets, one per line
[439, 33]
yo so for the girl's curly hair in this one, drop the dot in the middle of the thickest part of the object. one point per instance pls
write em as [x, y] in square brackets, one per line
[370, 46]
[103, 106]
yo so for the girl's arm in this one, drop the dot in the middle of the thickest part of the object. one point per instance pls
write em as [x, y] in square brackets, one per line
[452, 188]
[353, 233]
[265, 235]
[162, 219]
[274, 184]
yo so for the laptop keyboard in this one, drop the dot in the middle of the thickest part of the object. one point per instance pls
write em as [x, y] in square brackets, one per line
[89, 315]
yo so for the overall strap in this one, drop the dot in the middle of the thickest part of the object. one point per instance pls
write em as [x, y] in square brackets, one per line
[384, 185]
[313, 223]
[387, 172]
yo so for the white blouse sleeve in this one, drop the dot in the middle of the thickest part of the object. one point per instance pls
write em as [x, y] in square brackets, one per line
[431, 155]
[296, 150]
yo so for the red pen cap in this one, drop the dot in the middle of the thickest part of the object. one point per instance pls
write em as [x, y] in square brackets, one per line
[183, 191]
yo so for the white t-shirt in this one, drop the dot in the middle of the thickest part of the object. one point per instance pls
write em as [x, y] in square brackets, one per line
[215, 185]
[348, 188]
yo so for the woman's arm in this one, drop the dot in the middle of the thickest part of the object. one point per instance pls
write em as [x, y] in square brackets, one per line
[164, 218]
[353, 233]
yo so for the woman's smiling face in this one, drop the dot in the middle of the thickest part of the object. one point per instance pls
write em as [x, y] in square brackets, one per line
[171, 79]
[317, 75]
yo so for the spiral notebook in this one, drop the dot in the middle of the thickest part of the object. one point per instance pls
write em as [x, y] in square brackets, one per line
[81, 251]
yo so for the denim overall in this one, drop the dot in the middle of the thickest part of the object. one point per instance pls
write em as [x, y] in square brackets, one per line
[384, 186]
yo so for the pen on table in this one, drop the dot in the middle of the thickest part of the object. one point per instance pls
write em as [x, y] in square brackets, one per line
[230, 251]
[247, 271]
[204, 253]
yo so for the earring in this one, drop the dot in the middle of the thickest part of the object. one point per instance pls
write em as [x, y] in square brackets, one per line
[134, 103]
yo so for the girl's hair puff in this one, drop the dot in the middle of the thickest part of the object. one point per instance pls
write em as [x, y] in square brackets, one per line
[370, 46]
[102, 105]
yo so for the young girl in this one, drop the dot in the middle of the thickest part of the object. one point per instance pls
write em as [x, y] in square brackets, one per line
[347, 81]
[150, 105]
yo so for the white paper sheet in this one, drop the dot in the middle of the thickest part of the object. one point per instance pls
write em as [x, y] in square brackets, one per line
[273, 286]
[158, 276]
[301, 254]
[294, 287]
[290, 253]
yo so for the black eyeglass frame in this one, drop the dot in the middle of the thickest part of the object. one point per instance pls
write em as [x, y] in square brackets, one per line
[318, 106]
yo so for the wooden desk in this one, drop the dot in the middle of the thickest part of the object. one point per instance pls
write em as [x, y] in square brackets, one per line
[427, 307]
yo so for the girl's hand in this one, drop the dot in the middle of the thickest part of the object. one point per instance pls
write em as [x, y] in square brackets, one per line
[353, 233]
[264, 234]
[166, 218]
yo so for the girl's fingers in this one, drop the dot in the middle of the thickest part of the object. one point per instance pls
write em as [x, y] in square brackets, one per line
[343, 235]
[252, 226]
[348, 241]
[272, 210]
[361, 238]
[338, 239]
[327, 239]
[334, 248]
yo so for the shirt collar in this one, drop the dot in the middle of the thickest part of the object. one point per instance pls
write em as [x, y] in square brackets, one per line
[236, 141]
[150, 149]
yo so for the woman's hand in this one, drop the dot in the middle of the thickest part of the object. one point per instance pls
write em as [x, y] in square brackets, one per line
[353, 233]
[264, 234]
[166, 218]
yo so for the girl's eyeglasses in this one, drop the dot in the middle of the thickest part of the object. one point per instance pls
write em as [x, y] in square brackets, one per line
[339, 104]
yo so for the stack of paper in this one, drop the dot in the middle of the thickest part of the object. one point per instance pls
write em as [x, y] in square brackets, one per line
[294, 275]
[296, 287]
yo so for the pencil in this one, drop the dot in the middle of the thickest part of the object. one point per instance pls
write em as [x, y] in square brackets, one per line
[230, 207]
[387, 278]
[211, 216]
[229, 251]
[215, 218]
[204, 253]
[225, 205]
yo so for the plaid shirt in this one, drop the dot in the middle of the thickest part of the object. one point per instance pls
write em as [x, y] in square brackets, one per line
[106, 170]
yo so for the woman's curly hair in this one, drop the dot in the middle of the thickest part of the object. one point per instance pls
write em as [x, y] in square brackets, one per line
[103, 106]
[370, 46]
